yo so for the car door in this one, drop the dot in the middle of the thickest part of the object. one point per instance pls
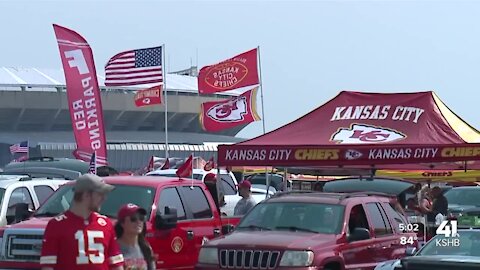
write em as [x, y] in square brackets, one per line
[174, 251]
[383, 237]
[358, 254]
[205, 223]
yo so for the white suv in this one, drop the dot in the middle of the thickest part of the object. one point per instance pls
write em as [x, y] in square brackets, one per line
[229, 185]
[20, 195]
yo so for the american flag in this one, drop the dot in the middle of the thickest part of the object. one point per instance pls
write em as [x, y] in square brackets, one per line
[19, 148]
[142, 66]
[93, 164]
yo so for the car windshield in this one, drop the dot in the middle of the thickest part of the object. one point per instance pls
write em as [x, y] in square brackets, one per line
[295, 216]
[468, 245]
[60, 201]
[463, 196]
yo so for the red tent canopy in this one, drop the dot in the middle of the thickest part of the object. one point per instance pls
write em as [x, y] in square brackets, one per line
[372, 130]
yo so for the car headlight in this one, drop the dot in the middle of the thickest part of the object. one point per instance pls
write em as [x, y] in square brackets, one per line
[297, 258]
[208, 255]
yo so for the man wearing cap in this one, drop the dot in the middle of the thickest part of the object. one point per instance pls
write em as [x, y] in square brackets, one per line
[81, 238]
[247, 202]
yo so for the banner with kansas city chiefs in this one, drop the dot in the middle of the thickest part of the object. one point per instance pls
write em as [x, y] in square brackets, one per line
[236, 72]
[150, 96]
[219, 115]
[303, 155]
[83, 93]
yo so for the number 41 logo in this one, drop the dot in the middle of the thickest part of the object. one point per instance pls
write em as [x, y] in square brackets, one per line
[448, 230]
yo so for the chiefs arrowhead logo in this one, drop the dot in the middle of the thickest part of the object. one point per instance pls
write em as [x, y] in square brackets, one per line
[146, 101]
[353, 154]
[232, 111]
[364, 134]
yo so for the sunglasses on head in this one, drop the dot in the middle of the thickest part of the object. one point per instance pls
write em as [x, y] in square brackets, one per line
[137, 218]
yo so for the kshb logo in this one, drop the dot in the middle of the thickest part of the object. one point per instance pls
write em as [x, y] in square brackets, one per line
[450, 234]
[76, 59]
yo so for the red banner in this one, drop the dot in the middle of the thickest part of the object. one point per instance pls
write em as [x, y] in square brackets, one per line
[334, 155]
[218, 115]
[236, 72]
[150, 96]
[83, 93]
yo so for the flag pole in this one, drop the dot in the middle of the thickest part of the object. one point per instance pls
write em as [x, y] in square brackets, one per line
[267, 179]
[261, 88]
[164, 75]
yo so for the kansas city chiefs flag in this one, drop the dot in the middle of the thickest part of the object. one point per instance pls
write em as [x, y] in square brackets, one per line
[83, 93]
[219, 115]
[150, 96]
[236, 72]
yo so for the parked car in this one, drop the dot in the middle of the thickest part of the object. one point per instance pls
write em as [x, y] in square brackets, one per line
[312, 230]
[276, 180]
[461, 199]
[182, 215]
[442, 253]
[229, 185]
[49, 167]
[21, 194]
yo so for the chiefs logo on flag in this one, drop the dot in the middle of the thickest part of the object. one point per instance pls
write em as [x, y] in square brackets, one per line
[150, 96]
[219, 115]
[236, 72]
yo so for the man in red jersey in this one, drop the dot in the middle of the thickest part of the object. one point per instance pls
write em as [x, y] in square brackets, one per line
[81, 238]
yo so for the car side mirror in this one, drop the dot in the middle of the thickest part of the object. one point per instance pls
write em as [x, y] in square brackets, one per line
[167, 220]
[359, 234]
[22, 212]
[226, 229]
[410, 251]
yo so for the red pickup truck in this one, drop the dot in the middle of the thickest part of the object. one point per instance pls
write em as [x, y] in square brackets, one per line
[182, 216]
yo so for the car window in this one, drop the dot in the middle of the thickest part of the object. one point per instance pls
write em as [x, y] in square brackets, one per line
[463, 196]
[295, 216]
[197, 202]
[377, 219]
[170, 197]
[19, 195]
[61, 200]
[228, 184]
[397, 217]
[357, 219]
[43, 192]
[385, 218]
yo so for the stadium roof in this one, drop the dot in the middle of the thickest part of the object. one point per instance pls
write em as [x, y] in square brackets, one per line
[49, 80]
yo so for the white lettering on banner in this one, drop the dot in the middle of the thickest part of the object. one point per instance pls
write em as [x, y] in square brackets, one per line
[246, 154]
[279, 154]
[377, 112]
[425, 152]
[76, 59]
[402, 153]
[395, 153]
[87, 107]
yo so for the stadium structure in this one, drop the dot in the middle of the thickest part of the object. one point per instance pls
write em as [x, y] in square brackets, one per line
[34, 108]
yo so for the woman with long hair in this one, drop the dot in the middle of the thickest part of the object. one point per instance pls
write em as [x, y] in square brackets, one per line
[130, 230]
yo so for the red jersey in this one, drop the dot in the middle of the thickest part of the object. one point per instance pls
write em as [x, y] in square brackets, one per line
[70, 242]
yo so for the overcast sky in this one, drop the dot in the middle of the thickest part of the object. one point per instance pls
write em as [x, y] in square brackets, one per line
[309, 50]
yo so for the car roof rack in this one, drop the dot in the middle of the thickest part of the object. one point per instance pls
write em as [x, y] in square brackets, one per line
[365, 193]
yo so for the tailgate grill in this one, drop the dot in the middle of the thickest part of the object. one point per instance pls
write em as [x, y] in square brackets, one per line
[249, 259]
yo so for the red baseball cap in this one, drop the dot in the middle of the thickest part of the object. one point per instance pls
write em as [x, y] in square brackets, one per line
[245, 184]
[130, 210]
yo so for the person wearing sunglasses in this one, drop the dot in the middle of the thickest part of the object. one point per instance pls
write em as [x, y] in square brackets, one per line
[130, 230]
